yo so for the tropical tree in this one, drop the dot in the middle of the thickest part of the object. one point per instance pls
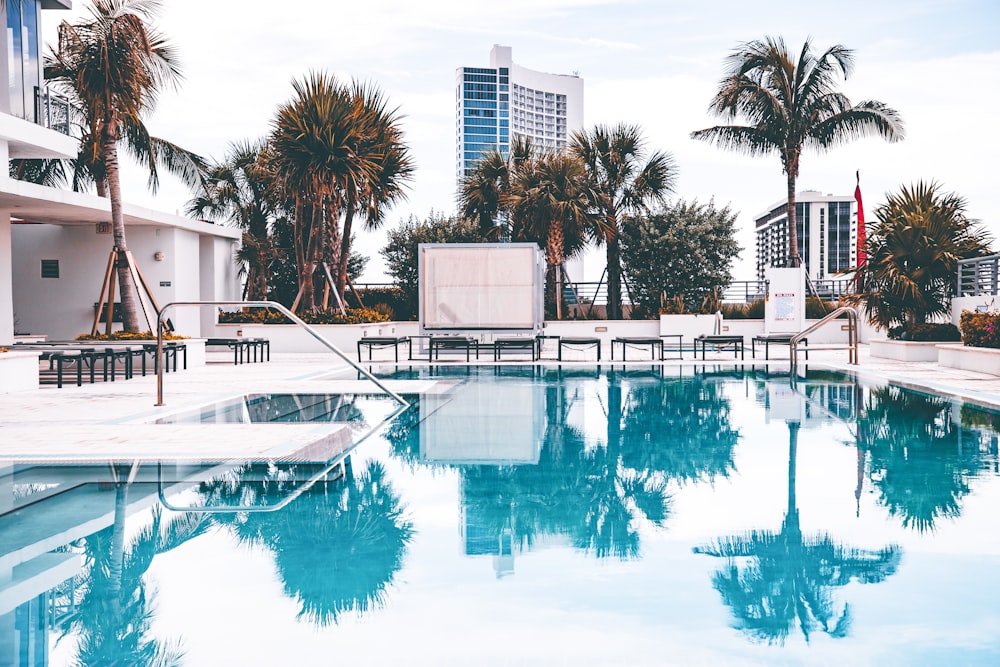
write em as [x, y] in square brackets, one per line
[914, 246]
[244, 192]
[551, 200]
[401, 250]
[791, 104]
[483, 192]
[626, 181]
[392, 167]
[684, 250]
[116, 63]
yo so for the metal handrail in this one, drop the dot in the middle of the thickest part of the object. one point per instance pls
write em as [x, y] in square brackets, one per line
[263, 304]
[852, 335]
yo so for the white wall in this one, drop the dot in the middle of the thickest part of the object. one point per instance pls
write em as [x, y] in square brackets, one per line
[63, 308]
[6, 289]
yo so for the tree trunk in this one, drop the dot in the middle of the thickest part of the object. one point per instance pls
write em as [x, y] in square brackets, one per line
[130, 313]
[555, 244]
[303, 263]
[614, 274]
[793, 233]
[345, 250]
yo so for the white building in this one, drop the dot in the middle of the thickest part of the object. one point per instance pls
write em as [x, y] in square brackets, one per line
[827, 228]
[494, 103]
[53, 252]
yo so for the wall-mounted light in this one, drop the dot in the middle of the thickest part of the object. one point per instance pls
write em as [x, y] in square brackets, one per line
[158, 256]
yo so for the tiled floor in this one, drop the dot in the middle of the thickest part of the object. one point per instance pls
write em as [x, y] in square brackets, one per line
[114, 420]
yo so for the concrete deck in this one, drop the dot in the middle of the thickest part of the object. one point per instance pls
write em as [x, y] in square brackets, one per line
[114, 421]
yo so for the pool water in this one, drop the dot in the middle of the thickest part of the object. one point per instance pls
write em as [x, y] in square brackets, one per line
[538, 516]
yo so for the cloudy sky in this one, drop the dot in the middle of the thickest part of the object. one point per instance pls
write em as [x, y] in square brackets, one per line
[654, 63]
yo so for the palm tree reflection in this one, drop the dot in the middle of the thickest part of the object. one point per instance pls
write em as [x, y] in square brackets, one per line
[917, 458]
[337, 547]
[775, 580]
[115, 606]
[598, 494]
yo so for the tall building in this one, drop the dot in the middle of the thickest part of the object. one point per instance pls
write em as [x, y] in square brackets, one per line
[827, 228]
[494, 103]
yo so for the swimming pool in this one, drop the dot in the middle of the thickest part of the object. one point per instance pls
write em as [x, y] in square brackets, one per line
[532, 515]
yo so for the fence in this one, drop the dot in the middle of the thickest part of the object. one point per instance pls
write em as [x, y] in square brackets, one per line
[978, 276]
[587, 293]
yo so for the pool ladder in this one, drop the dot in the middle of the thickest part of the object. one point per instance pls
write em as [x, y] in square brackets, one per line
[852, 336]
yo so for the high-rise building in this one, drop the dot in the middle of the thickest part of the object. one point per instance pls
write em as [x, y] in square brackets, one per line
[827, 228]
[503, 100]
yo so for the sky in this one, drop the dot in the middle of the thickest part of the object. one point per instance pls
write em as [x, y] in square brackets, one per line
[654, 63]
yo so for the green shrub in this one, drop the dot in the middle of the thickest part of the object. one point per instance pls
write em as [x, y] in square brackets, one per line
[130, 335]
[755, 310]
[980, 329]
[733, 311]
[268, 316]
[817, 309]
[927, 333]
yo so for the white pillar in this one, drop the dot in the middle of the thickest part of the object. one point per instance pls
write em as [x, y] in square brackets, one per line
[6, 283]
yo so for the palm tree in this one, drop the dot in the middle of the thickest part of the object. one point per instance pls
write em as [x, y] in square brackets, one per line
[913, 250]
[116, 63]
[243, 191]
[626, 182]
[392, 167]
[790, 105]
[552, 200]
[316, 147]
[483, 192]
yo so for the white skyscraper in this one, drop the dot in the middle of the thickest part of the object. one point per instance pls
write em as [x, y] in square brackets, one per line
[496, 102]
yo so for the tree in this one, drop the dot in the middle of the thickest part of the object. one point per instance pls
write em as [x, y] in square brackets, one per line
[401, 251]
[315, 143]
[913, 250]
[116, 63]
[627, 182]
[683, 250]
[241, 190]
[790, 105]
[551, 203]
[483, 192]
[392, 168]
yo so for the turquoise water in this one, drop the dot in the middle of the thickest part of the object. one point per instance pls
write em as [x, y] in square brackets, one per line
[535, 517]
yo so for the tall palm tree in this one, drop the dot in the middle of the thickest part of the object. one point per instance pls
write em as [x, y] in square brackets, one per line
[116, 63]
[316, 143]
[913, 250]
[242, 190]
[627, 181]
[383, 145]
[790, 105]
[551, 198]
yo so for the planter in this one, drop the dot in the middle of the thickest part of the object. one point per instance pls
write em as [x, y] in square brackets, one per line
[904, 350]
[18, 371]
[982, 359]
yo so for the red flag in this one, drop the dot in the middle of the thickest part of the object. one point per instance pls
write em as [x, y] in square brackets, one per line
[862, 256]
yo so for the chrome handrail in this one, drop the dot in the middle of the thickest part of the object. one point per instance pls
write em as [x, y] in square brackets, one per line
[263, 304]
[852, 335]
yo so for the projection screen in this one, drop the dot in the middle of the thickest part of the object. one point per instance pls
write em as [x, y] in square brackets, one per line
[476, 286]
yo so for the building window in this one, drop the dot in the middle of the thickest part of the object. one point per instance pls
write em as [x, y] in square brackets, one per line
[50, 268]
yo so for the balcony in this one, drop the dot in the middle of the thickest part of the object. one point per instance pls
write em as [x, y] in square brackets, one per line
[52, 110]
